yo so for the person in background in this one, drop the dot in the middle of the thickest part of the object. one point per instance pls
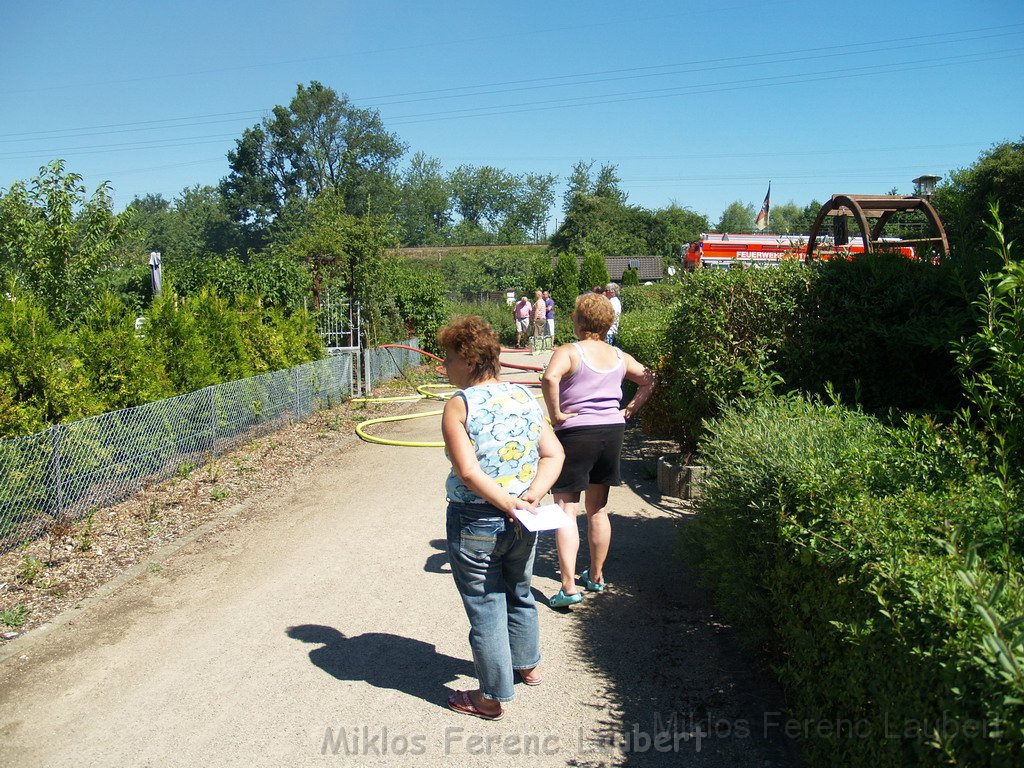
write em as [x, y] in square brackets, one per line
[599, 289]
[521, 314]
[611, 292]
[583, 393]
[540, 323]
[549, 315]
[504, 457]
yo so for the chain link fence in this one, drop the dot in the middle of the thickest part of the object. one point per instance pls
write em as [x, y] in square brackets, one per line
[63, 473]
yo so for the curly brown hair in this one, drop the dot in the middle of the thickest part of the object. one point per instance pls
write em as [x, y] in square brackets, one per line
[594, 314]
[473, 339]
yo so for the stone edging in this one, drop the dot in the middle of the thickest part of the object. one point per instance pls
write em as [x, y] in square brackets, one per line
[681, 481]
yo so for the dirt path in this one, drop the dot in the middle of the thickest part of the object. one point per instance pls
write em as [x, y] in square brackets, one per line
[321, 626]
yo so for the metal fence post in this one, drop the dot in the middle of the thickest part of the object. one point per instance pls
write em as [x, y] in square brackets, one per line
[213, 422]
[368, 379]
[56, 470]
[298, 402]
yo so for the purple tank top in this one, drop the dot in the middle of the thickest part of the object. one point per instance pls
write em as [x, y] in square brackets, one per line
[594, 394]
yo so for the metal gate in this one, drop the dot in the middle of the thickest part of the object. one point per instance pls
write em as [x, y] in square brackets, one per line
[338, 321]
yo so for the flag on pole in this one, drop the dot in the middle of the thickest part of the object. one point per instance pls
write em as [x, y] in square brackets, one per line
[764, 215]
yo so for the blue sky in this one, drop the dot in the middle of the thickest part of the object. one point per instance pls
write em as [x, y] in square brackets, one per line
[698, 103]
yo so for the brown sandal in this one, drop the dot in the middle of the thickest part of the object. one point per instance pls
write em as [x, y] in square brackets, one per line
[530, 679]
[462, 702]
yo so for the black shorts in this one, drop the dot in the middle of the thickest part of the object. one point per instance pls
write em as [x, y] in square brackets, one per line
[591, 457]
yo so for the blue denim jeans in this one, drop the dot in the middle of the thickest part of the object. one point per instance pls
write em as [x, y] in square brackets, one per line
[492, 562]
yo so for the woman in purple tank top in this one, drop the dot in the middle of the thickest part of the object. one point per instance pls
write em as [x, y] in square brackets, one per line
[583, 392]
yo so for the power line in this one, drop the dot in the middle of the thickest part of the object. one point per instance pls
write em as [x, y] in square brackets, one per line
[731, 62]
[393, 49]
[692, 90]
[696, 67]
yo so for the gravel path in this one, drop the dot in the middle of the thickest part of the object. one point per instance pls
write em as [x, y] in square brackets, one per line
[318, 625]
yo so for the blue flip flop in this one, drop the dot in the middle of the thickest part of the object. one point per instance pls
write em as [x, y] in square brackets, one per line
[562, 600]
[592, 586]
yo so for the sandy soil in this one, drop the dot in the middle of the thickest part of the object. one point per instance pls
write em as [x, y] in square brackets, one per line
[312, 620]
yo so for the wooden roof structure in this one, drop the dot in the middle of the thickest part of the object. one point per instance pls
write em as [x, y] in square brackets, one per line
[881, 208]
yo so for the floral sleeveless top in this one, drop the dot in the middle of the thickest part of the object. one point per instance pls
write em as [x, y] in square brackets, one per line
[504, 424]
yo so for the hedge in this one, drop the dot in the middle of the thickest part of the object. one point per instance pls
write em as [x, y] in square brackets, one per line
[866, 561]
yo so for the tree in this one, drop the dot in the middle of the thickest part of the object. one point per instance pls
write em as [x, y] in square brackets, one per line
[509, 271]
[566, 281]
[542, 276]
[465, 276]
[803, 224]
[593, 271]
[115, 358]
[672, 228]
[578, 183]
[152, 222]
[607, 184]
[533, 198]
[583, 183]
[57, 242]
[350, 248]
[630, 277]
[737, 217]
[482, 194]
[41, 380]
[425, 206]
[204, 223]
[962, 202]
[497, 206]
[602, 225]
[786, 219]
[319, 141]
[196, 224]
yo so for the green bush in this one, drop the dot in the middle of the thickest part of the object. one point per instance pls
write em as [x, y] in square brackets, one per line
[637, 297]
[727, 328]
[42, 381]
[273, 275]
[174, 341]
[992, 360]
[421, 304]
[498, 314]
[644, 334]
[879, 329]
[832, 541]
[120, 368]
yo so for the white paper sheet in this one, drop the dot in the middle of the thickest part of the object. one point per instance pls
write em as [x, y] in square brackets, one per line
[547, 518]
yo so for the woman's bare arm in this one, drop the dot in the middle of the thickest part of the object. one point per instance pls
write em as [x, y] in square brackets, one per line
[645, 380]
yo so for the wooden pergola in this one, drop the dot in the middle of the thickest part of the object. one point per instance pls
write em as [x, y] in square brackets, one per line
[881, 208]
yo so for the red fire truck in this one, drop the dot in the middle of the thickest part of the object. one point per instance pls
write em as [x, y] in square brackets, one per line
[724, 250]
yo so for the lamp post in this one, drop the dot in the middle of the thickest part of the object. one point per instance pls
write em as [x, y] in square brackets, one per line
[925, 186]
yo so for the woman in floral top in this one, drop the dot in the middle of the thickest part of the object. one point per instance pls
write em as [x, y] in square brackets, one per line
[504, 457]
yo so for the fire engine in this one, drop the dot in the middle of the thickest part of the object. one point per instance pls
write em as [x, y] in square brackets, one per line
[725, 250]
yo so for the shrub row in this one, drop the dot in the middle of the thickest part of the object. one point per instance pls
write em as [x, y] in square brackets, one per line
[50, 374]
[871, 563]
[878, 330]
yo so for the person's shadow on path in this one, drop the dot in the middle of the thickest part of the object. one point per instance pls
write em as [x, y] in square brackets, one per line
[384, 661]
[438, 562]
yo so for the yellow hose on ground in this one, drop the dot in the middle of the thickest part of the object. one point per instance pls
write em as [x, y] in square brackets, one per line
[423, 395]
[404, 443]
[361, 432]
